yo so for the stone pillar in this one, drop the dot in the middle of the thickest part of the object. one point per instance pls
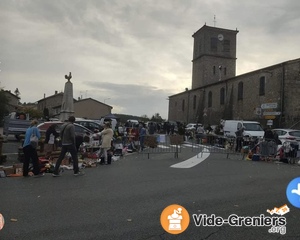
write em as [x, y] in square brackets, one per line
[67, 106]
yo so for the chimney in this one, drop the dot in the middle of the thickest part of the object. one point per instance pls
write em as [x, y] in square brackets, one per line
[55, 92]
[44, 95]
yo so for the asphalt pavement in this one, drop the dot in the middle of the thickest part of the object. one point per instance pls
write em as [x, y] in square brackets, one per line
[125, 200]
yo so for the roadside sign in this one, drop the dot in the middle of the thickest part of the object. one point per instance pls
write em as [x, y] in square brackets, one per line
[271, 113]
[269, 105]
[270, 117]
[270, 122]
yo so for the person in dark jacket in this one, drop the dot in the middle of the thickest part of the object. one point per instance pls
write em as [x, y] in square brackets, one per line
[239, 139]
[269, 135]
[68, 141]
[51, 135]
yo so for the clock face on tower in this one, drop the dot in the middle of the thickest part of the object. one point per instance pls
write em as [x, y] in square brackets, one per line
[220, 37]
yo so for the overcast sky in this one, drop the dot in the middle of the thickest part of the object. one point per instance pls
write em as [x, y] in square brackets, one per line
[132, 54]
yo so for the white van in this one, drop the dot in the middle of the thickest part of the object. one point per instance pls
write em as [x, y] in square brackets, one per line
[251, 128]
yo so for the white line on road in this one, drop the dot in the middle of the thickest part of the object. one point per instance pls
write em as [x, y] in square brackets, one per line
[191, 162]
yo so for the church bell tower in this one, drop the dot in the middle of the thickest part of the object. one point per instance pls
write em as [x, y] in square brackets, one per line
[214, 55]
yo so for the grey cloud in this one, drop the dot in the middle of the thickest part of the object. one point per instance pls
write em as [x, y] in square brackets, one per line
[139, 52]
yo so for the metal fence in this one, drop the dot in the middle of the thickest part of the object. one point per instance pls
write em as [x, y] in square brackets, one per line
[162, 144]
[256, 149]
[215, 144]
[174, 144]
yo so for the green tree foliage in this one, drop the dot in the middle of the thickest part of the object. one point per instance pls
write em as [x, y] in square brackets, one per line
[144, 116]
[3, 106]
[33, 113]
[156, 118]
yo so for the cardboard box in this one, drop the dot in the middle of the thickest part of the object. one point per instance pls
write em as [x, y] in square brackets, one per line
[9, 170]
[18, 168]
[151, 141]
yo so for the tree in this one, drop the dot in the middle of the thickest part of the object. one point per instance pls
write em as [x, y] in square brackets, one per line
[33, 113]
[17, 93]
[144, 116]
[156, 118]
[3, 106]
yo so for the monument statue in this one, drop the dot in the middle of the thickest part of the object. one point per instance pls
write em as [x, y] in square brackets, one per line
[67, 106]
[68, 77]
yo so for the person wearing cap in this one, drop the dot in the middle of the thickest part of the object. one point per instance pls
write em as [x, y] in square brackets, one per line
[67, 135]
[30, 151]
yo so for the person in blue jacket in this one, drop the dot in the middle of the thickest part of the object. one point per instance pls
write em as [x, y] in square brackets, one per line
[30, 152]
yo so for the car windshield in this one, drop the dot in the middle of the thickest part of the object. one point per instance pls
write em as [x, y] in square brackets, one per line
[253, 127]
[295, 133]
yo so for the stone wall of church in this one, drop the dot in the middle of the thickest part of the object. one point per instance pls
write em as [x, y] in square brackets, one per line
[281, 86]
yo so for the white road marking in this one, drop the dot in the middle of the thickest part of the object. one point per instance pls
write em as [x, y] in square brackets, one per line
[191, 162]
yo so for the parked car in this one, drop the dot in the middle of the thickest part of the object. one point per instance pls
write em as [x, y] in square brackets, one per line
[287, 134]
[90, 124]
[80, 130]
[191, 127]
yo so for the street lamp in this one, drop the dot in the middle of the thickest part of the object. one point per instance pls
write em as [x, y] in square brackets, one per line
[106, 99]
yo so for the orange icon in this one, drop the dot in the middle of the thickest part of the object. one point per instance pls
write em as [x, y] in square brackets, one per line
[174, 219]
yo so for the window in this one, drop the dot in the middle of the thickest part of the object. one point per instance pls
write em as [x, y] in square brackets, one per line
[222, 96]
[194, 102]
[262, 84]
[183, 102]
[253, 127]
[214, 70]
[225, 71]
[213, 44]
[210, 99]
[240, 91]
[226, 46]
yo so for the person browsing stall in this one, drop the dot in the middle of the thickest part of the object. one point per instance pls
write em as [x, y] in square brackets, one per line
[51, 135]
[239, 139]
[67, 135]
[107, 136]
[30, 152]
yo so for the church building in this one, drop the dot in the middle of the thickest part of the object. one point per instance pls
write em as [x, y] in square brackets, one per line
[268, 95]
